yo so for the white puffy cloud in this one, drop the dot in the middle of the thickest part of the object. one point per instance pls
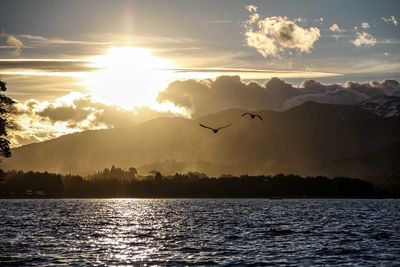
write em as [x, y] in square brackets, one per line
[365, 25]
[272, 36]
[364, 39]
[335, 28]
[391, 19]
[13, 41]
[251, 8]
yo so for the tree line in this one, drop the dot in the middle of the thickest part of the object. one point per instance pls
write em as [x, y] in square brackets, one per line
[117, 182]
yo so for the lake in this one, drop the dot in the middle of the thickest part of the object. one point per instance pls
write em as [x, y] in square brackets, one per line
[199, 232]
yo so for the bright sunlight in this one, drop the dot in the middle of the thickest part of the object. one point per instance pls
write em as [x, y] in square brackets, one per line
[128, 77]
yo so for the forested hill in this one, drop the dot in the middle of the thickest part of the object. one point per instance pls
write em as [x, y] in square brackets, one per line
[311, 139]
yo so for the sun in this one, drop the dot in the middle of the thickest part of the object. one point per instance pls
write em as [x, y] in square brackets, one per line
[128, 77]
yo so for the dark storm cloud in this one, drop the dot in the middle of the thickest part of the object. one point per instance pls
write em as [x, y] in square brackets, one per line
[207, 96]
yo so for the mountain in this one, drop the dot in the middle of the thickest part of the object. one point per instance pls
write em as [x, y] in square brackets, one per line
[311, 139]
[383, 105]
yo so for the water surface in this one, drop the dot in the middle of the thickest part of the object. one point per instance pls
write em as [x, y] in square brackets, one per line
[199, 232]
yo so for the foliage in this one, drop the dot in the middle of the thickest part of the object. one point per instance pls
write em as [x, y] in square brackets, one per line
[6, 122]
[115, 173]
[107, 183]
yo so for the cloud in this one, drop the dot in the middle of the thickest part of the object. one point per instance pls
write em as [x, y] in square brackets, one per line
[364, 39]
[105, 40]
[75, 112]
[48, 65]
[218, 21]
[391, 20]
[81, 111]
[36, 39]
[338, 96]
[365, 25]
[201, 97]
[84, 46]
[13, 41]
[300, 20]
[320, 20]
[68, 113]
[274, 35]
[251, 8]
[349, 93]
[335, 28]
[207, 96]
[373, 88]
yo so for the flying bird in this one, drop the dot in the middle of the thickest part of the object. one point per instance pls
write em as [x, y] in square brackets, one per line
[215, 130]
[252, 115]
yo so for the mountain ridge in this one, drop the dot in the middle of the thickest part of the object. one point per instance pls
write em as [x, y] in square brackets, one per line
[310, 139]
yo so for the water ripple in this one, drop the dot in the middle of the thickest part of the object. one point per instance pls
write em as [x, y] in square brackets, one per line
[199, 232]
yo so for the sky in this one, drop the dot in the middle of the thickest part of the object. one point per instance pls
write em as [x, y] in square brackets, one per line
[78, 65]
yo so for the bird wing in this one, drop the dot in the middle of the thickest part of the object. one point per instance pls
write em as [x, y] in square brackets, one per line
[259, 117]
[224, 126]
[206, 126]
[244, 114]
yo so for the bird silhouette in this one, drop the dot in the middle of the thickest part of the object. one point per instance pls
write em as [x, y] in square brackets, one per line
[215, 130]
[252, 115]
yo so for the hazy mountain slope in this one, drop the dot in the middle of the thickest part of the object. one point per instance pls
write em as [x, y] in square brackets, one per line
[309, 139]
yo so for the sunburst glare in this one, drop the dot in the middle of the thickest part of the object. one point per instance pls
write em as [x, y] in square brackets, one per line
[128, 77]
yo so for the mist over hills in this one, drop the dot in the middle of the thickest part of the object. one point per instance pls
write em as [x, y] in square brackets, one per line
[310, 139]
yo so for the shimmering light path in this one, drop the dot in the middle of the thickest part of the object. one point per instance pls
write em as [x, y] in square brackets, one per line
[199, 232]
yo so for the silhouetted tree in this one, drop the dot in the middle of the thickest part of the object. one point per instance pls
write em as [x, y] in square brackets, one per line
[44, 184]
[115, 173]
[6, 110]
[133, 172]
[158, 176]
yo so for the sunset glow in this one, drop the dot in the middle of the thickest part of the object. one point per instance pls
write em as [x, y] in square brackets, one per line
[127, 76]
[191, 133]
